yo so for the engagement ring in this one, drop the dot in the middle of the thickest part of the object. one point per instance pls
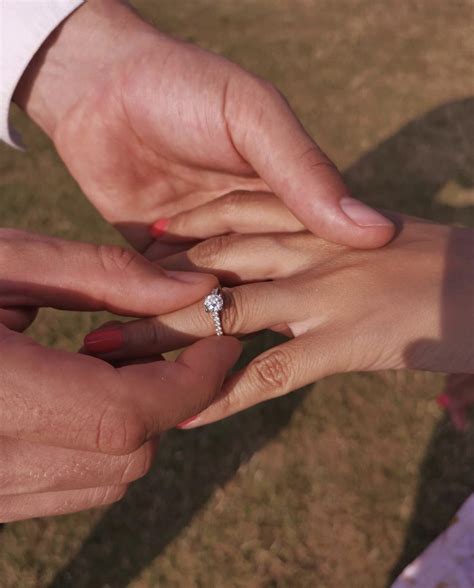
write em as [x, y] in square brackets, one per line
[213, 304]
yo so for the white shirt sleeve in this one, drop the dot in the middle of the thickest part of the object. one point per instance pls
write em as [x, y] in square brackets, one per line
[24, 26]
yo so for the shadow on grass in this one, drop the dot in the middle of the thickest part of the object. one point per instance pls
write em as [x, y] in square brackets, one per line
[404, 173]
[446, 477]
[191, 466]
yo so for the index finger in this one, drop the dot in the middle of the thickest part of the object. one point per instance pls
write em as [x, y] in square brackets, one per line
[43, 271]
[80, 402]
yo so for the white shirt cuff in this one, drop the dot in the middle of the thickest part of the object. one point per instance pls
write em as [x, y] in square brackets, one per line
[24, 25]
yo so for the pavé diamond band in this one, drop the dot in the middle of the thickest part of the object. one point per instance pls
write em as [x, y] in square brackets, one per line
[213, 305]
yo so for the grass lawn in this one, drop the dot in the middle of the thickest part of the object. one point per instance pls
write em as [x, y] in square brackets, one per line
[343, 483]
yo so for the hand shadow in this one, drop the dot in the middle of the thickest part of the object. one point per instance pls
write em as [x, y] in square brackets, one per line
[191, 466]
[404, 173]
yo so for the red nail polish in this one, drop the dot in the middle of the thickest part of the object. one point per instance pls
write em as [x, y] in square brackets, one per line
[186, 422]
[104, 340]
[159, 227]
[443, 400]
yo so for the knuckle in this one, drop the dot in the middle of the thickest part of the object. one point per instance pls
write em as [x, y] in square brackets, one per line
[113, 258]
[109, 495]
[212, 252]
[233, 315]
[272, 373]
[119, 432]
[230, 205]
[312, 158]
[277, 243]
[137, 464]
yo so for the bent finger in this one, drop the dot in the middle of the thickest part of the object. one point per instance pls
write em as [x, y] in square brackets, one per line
[44, 271]
[237, 212]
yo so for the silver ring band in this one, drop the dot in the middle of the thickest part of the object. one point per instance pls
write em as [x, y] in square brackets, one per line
[217, 323]
[213, 305]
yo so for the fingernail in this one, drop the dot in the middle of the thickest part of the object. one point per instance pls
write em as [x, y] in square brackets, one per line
[443, 400]
[363, 215]
[185, 423]
[159, 227]
[104, 340]
[188, 277]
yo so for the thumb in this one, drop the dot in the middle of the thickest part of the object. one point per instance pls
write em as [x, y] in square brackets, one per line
[44, 271]
[270, 137]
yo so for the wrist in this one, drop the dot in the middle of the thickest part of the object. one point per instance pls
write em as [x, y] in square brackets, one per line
[76, 57]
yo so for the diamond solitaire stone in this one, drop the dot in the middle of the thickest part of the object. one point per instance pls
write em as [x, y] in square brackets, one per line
[214, 302]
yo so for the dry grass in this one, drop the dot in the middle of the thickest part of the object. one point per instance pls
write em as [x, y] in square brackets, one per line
[331, 487]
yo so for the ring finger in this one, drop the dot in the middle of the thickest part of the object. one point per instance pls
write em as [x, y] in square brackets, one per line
[247, 309]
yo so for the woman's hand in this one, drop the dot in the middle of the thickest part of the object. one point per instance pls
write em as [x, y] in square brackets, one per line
[75, 431]
[150, 126]
[409, 305]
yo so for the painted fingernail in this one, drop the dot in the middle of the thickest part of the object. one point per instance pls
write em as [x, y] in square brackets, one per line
[185, 423]
[443, 400]
[104, 340]
[159, 227]
[363, 215]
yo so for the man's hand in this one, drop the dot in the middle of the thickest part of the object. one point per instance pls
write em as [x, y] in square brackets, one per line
[75, 431]
[150, 126]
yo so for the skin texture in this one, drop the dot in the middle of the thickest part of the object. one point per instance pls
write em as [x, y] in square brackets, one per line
[150, 126]
[344, 310]
[74, 430]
